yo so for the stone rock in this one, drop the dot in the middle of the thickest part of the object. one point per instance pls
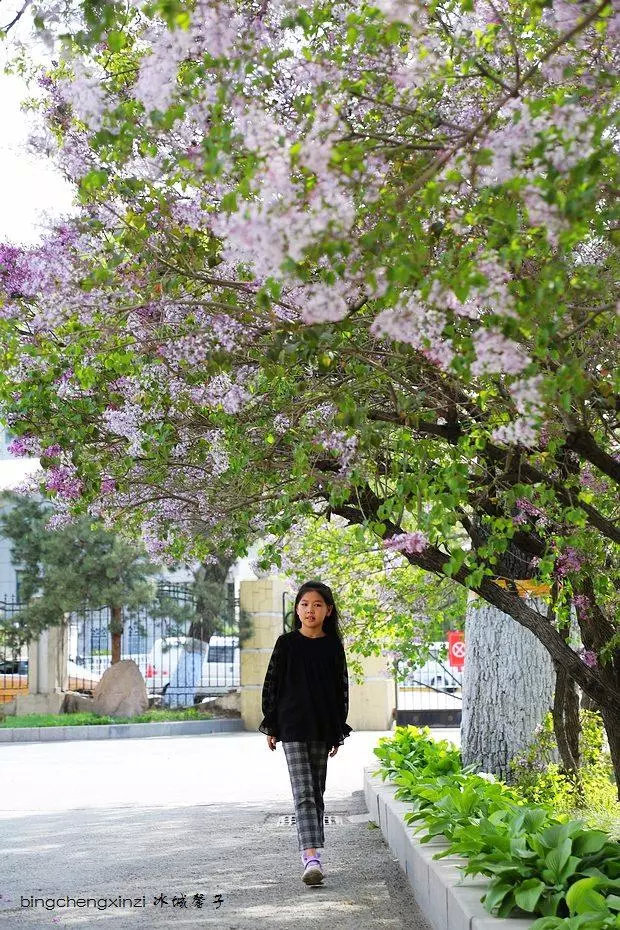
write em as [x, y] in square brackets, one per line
[8, 709]
[75, 703]
[121, 692]
[226, 705]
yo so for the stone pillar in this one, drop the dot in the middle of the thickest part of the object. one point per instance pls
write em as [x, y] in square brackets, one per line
[263, 601]
[370, 703]
[47, 672]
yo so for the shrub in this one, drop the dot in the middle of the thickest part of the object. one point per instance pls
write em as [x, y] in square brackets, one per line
[541, 780]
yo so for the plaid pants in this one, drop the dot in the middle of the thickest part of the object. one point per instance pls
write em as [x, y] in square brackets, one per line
[307, 766]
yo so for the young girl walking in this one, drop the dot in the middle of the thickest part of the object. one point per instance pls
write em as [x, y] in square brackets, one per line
[305, 703]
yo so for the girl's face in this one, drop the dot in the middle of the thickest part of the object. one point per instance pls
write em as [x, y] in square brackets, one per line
[312, 611]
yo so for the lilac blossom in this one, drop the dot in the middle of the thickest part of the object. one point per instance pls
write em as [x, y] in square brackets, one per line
[59, 521]
[589, 480]
[411, 543]
[24, 445]
[582, 605]
[124, 421]
[419, 326]
[63, 479]
[497, 354]
[569, 561]
[588, 657]
[345, 446]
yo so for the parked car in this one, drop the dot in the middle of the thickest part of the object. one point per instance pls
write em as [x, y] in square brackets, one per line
[14, 679]
[436, 672]
[223, 667]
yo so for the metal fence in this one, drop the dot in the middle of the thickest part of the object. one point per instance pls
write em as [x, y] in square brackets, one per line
[430, 694]
[181, 665]
[13, 663]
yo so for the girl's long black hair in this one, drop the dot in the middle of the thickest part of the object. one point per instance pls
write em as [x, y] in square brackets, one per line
[331, 623]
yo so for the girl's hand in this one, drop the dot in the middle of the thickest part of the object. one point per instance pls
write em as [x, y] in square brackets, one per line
[334, 750]
[271, 742]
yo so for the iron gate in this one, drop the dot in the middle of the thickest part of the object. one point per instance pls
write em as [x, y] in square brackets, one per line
[180, 665]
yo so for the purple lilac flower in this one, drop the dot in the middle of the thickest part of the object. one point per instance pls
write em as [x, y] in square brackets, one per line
[569, 561]
[411, 543]
[24, 445]
[582, 603]
[589, 658]
[64, 481]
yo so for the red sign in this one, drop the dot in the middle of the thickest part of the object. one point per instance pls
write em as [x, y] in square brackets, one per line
[456, 649]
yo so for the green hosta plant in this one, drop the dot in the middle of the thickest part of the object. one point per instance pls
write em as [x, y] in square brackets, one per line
[589, 921]
[412, 753]
[589, 908]
[533, 863]
[443, 806]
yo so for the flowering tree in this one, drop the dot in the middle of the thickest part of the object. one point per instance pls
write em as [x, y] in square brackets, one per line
[341, 255]
[385, 605]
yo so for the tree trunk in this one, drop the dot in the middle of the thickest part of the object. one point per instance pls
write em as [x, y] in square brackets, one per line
[508, 687]
[612, 728]
[567, 727]
[116, 629]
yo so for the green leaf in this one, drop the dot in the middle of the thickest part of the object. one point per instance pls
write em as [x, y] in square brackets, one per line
[588, 842]
[557, 858]
[582, 897]
[496, 894]
[528, 893]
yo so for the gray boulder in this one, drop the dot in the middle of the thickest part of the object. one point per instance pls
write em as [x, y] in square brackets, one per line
[121, 692]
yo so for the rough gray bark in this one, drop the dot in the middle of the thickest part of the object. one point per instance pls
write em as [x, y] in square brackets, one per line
[508, 687]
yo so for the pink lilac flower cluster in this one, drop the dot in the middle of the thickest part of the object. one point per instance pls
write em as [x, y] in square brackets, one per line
[419, 326]
[63, 479]
[528, 399]
[526, 509]
[24, 445]
[497, 354]
[588, 657]
[589, 480]
[568, 562]
[213, 29]
[412, 543]
[582, 605]
[281, 423]
[58, 521]
[321, 414]
[345, 446]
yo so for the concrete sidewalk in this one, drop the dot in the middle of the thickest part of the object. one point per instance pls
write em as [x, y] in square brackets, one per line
[184, 817]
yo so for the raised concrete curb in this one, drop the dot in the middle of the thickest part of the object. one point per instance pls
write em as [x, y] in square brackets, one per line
[448, 900]
[119, 730]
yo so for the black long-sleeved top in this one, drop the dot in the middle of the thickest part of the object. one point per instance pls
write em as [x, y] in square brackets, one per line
[306, 690]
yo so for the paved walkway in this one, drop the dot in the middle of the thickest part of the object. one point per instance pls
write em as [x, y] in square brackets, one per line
[187, 816]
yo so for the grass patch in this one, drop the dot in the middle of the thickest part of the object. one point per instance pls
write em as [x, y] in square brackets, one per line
[155, 715]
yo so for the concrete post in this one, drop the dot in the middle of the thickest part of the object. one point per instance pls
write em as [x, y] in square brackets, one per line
[47, 672]
[370, 703]
[263, 601]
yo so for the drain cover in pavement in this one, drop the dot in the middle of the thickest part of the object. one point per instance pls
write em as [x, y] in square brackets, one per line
[289, 820]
